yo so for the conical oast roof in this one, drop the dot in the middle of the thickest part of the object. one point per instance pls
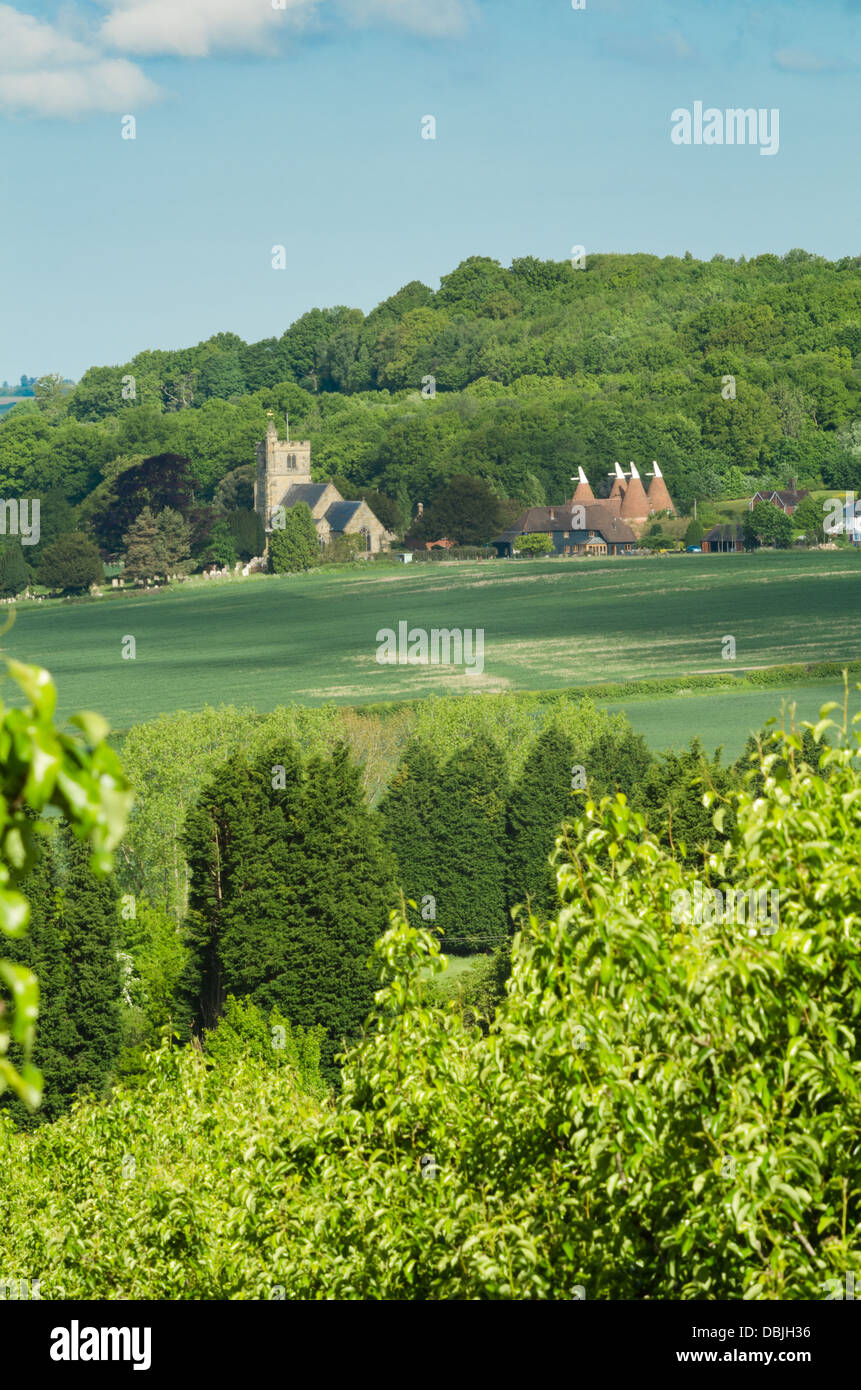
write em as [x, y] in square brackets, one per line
[658, 495]
[635, 504]
[583, 491]
[618, 488]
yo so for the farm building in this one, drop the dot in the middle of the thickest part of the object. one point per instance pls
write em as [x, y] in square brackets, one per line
[787, 500]
[723, 537]
[629, 499]
[576, 528]
[591, 526]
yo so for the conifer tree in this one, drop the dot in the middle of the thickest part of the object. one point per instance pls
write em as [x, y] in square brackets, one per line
[173, 541]
[71, 945]
[348, 880]
[220, 548]
[90, 921]
[618, 762]
[247, 531]
[672, 800]
[409, 812]
[537, 805]
[13, 569]
[142, 547]
[471, 849]
[291, 886]
[71, 563]
[239, 902]
[42, 950]
[747, 770]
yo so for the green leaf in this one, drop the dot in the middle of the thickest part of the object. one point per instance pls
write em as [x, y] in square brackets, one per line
[14, 912]
[95, 728]
[36, 683]
[25, 996]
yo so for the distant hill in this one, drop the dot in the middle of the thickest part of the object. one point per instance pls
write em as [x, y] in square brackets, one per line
[733, 374]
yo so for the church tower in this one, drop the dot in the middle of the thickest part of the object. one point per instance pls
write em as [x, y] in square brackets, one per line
[280, 464]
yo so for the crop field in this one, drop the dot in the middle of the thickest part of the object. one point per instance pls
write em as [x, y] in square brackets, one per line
[312, 638]
[723, 719]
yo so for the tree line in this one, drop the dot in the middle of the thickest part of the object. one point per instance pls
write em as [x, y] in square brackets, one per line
[734, 374]
[293, 876]
[658, 1109]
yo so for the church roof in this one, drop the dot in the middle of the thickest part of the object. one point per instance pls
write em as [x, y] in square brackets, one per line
[340, 513]
[305, 492]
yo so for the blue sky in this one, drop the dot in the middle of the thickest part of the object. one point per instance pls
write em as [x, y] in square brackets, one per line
[301, 126]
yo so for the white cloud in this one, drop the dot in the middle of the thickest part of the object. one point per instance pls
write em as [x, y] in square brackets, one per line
[26, 42]
[46, 72]
[194, 28]
[112, 85]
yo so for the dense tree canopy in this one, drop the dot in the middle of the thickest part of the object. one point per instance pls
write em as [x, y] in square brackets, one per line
[71, 564]
[734, 375]
[767, 524]
[662, 1108]
[290, 887]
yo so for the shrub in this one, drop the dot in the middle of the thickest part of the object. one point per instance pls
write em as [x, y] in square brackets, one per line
[295, 545]
[537, 544]
[71, 564]
[246, 1031]
[340, 550]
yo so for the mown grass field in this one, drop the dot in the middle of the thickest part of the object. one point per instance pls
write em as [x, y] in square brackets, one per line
[311, 638]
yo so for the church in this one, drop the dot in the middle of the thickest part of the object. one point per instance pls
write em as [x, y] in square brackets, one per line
[284, 478]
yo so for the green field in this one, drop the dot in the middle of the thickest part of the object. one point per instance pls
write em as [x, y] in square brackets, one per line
[724, 719]
[266, 641]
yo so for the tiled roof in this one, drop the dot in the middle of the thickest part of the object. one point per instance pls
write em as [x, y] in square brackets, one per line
[340, 513]
[786, 496]
[596, 518]
[304, 492]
